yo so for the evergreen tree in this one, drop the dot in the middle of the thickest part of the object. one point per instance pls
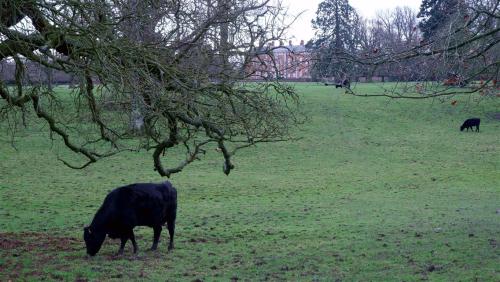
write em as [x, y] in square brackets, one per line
[336, 24]
[434, 13]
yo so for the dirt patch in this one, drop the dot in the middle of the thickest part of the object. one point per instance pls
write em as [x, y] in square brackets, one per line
[207, 240]
[432, 268]
[31, 241]
[197, 240]
[495, 116]
[493, 243]
[40, 248]
[8, 243]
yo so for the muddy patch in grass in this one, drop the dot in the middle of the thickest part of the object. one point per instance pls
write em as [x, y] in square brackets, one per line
[32, 241]
[207, 240]
[495, 116]
[26, 254]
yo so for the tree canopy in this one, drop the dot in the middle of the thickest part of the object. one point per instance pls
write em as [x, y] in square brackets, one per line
[434, 14]
[336, 26]
[150, 75]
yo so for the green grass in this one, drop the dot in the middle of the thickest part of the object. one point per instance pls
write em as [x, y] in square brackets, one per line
[376, 189]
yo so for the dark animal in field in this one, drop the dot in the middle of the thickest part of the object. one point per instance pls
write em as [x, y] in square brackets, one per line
[141, 204]
[346, 83]
[469, 123]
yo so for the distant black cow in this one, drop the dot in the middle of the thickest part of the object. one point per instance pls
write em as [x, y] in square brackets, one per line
[470, 123]
[142, 204]
[346, 83]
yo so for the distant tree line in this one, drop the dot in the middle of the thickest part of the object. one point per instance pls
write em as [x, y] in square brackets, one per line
[34, 73]
[340, 30]
[454, 40]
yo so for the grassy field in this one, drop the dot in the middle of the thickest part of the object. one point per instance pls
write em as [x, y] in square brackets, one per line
[376, 189]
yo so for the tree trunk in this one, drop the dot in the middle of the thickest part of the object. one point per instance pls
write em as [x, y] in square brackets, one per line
[224, 40]
[136, 123]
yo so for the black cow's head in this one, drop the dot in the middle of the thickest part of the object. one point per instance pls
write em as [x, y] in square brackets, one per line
[462, 128]
[93, 240]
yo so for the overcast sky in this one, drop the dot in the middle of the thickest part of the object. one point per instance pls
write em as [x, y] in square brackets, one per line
[302, 28]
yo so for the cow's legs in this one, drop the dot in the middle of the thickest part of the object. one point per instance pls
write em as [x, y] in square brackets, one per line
[171, 231]
[156, 237]
[132, 238]
[477, 128]
[122, 244]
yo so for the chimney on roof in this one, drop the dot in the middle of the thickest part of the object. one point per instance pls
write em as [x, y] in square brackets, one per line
[281, 43]
[302, 42]
[290, 42]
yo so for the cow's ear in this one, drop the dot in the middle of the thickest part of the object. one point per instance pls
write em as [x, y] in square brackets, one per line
[87, 229]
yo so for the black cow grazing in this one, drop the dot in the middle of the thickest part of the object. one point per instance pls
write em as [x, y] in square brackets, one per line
[346, 83]
[141, 204]
[469, 123]
[338, 85]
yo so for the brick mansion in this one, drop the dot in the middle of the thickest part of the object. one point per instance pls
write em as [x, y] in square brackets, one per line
[290, 62]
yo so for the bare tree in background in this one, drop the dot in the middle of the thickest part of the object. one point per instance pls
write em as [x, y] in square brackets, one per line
[461, 57]
[177, 66]
[390, 31]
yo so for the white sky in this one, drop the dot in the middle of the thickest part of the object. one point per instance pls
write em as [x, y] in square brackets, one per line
[302, 28]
